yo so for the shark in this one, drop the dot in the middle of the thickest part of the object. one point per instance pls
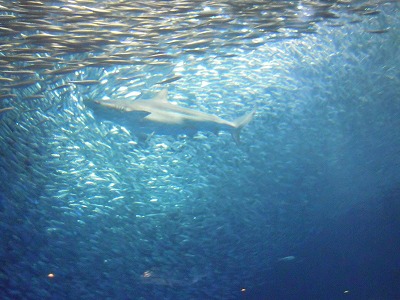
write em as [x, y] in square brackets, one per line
[159, 116]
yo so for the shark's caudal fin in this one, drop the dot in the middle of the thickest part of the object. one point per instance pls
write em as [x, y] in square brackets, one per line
[239, 123]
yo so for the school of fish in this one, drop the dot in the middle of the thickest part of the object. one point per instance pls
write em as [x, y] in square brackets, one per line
[91, 209]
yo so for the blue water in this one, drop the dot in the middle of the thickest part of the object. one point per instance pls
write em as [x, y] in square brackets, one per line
[306, 207]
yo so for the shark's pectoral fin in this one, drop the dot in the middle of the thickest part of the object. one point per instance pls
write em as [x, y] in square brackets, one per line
[144, 138]
[140, 114]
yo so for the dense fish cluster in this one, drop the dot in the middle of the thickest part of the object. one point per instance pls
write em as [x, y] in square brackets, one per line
[42, 37]
[54, 45]
[92, 210]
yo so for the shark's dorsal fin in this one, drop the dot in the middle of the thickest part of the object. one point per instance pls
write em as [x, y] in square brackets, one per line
[161, 96]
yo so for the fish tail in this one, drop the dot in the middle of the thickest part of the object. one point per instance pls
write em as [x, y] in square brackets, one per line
[239, 123]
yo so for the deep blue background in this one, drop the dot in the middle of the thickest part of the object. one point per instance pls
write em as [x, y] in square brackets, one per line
[357, 252]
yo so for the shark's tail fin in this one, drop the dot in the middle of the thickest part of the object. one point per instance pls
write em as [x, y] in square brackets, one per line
[239, 123]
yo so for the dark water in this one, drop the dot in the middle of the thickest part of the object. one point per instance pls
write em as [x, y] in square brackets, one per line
[306, 207]
[355, 253]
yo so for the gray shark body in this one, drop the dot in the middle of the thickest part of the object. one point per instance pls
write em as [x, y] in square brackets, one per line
[157, 115]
